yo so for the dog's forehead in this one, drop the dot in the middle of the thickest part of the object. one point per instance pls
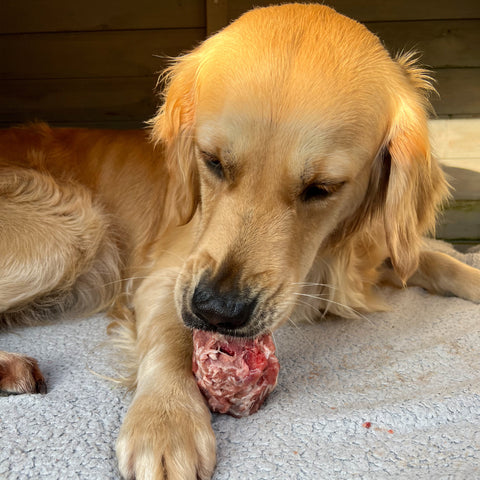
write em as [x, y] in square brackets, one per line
[284, 58]
[307, 113]
[317, 98]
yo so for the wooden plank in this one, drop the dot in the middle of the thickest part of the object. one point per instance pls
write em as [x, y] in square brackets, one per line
[460, 222]
[452, 43]
[459, 92]
[457, 145]
[66, 15]
[465, 182]
[92, 54]
[381, 10]
[115, 124]
[78, 100]
[217, 15]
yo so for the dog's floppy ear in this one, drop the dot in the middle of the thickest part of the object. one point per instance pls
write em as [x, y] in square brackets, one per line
[416, 185]
[173, 127]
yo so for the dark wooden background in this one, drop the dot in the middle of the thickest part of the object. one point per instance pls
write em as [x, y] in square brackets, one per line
[95, 63]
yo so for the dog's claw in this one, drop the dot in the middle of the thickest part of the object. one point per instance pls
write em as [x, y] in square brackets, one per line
[41, 387]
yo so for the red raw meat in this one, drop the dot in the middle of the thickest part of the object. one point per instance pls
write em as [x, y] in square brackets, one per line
[234, 374]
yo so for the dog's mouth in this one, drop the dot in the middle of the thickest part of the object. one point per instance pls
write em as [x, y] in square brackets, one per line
[250, 329]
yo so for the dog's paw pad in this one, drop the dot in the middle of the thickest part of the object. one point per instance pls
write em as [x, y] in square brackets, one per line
[20, 374]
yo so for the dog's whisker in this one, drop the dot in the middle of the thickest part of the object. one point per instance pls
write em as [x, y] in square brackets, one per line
[298, 303]
[173, 254]
[310, 313]
[166, 274]
[300, 332]
[317, 296]
[314, 284]
[329, 301]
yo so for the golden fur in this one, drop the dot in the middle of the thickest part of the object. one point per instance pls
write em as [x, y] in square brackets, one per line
[290, 172]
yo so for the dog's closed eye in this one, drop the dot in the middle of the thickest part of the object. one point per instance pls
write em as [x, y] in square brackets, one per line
[213, 163]
[319, 191]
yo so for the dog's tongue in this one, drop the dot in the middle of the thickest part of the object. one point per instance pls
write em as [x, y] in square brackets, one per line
[234, 374]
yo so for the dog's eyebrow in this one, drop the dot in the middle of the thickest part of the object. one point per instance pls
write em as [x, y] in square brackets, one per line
[331, 169]
[310, 176]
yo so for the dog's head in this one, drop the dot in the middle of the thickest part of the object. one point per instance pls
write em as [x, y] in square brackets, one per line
[290, 132]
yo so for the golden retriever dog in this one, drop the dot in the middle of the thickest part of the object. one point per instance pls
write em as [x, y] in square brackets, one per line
[290, 157]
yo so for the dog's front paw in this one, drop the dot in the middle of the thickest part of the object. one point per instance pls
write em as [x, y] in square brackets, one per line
[20, 374]
[166, 438]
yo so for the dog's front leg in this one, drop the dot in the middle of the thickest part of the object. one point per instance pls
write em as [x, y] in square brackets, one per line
[167, 432]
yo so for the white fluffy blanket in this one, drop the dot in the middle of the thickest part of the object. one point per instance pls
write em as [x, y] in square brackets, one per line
[393, 395]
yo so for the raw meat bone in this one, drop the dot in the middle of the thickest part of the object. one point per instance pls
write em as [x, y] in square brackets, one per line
[234, 374]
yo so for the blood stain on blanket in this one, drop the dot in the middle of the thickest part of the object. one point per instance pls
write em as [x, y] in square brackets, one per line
[378, 429]
[368, 425]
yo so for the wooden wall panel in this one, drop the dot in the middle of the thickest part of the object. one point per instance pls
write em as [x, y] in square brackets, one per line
[381, 10]
[22, 16]
[92, 54]
[451, 48]
[459, 91]
[94, 62]
[90, 63]
[78, 102]
[217, 15]
[443, 43]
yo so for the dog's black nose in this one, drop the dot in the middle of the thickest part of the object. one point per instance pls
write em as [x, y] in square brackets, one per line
[221, 309]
